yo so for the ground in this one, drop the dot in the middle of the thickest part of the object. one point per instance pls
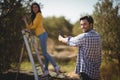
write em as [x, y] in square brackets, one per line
[29, 76]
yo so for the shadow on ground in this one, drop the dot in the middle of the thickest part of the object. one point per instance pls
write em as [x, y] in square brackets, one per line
[27, 76]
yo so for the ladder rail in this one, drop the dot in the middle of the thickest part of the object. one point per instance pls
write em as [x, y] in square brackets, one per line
[30, 55]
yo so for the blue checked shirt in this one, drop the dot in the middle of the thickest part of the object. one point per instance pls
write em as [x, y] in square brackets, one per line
[89, 56]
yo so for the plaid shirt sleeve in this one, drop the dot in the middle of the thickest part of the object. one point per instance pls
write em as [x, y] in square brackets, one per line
[76, 41]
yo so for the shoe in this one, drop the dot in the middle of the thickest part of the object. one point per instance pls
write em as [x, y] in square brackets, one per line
[57, 70]
[46, 72]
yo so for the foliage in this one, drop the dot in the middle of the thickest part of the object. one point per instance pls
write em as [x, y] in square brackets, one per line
[107, 70]
[10, 28]
[107, 21]
[55, 25]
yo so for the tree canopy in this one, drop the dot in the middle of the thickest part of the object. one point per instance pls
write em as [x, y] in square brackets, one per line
[107, 23]
[11, 12]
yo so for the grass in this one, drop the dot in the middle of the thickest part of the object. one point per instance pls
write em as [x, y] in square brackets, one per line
[65, 66]
[68, 66]
[26, 66]
[109, 69]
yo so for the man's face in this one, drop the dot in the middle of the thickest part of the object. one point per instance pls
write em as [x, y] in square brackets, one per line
[85, 26]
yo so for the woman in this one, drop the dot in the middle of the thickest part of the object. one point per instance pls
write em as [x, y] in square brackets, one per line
[37, 26]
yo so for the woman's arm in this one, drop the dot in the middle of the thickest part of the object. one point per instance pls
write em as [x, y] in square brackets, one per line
[25, 20]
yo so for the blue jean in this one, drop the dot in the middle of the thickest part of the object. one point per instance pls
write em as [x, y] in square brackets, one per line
[43, 43]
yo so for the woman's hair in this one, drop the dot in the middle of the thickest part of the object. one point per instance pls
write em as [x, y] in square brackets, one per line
[32, 13]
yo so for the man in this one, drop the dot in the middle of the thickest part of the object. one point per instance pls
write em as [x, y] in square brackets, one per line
[89, 55]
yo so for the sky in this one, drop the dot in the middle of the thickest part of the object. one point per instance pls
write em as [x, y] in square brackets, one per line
[70, 9]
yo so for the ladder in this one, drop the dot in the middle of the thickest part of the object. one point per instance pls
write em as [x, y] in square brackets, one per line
[26, 42]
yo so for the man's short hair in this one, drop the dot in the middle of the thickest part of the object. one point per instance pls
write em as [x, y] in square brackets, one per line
[88, 18]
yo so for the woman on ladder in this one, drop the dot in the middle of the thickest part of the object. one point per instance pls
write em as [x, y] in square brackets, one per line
[37, 26]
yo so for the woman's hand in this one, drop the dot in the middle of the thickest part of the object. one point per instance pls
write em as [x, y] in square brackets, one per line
[25, 20]
[28, 30]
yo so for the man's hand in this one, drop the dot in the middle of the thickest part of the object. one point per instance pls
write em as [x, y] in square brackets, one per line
[62, 39]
